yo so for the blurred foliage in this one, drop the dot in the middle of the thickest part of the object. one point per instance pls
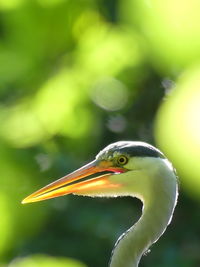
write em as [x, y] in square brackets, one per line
[45, 261]
[74, 77]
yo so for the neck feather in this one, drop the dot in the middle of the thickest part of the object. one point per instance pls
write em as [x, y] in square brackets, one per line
[159, 200]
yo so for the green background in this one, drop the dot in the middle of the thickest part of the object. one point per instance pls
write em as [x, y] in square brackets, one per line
[74, 77]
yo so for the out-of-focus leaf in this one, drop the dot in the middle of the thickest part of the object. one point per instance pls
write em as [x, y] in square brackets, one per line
[17, 221]
[10, 4]
[45, 261]
[178, 128]
[5, 224]
[108, 51]
[170, 29]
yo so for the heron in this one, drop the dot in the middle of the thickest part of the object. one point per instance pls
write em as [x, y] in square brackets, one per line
[125, 168]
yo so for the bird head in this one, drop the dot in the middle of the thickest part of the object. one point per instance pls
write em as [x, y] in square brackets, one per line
[107, 175]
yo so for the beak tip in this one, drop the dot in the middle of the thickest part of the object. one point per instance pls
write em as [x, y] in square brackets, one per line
[25, 201]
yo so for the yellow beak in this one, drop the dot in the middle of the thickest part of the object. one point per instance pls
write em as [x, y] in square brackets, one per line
[71, 183]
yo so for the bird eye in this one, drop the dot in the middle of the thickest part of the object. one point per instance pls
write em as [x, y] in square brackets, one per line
[122, 160]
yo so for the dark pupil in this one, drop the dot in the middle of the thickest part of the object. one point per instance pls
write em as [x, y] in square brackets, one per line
[122, 160]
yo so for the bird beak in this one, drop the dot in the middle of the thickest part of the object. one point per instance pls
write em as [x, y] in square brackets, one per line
[73, 183]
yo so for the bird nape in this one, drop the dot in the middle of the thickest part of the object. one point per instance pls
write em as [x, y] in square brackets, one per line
[129, 168]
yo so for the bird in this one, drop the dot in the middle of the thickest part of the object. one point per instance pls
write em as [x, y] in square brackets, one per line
[125, 168]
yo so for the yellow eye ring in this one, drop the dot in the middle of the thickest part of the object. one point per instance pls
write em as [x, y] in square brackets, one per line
[122, 160]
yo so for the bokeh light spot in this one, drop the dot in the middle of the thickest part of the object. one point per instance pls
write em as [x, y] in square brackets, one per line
[110, 94]
[117, 124]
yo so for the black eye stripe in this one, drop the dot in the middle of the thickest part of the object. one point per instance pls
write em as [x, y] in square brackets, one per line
[133, 149]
